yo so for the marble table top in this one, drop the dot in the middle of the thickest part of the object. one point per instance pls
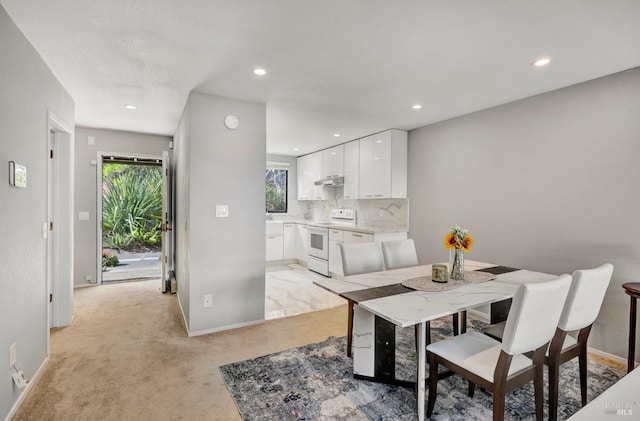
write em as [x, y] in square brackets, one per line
[410, 308]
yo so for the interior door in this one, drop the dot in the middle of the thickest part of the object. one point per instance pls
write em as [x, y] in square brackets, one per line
[167, 250]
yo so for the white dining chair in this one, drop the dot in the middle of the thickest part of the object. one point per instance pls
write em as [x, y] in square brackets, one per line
[359, 258]
[588, 288]
[501, 367]
[399, 254]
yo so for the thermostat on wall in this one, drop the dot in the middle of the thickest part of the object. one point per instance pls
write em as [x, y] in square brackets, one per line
[231, 122]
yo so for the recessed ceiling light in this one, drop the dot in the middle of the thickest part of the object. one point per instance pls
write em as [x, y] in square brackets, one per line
[296, 149]
[542, 62]
[336, 135]
[416, 106]
[130, 107]
[260, 72]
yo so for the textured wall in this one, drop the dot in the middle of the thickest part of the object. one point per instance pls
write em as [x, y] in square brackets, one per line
[85, 187]
[224, 256]
[547, 183]
[28, 92]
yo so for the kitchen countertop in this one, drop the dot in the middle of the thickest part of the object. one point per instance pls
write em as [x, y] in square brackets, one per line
[366, 229]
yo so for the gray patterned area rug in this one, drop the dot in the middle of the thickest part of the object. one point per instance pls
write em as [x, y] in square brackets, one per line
[315, 382]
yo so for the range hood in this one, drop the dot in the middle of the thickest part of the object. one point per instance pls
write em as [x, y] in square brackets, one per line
[335, 181]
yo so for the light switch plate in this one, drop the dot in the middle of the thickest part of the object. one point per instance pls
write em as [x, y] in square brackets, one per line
[83, 216]
[207, 301]
[91, 140]
[222, 211]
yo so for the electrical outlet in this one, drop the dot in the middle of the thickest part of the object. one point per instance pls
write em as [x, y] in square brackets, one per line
[207, 301]
[87, 278]
[12, 355]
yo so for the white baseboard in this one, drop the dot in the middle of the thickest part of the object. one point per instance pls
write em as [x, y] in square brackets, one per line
[220, 329]
[184, 318]
[608, 356]
[26, 391]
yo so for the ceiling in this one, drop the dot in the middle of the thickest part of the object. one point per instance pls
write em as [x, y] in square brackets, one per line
[333, 66]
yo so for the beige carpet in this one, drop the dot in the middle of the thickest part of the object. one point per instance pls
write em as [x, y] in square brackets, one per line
[127, 357]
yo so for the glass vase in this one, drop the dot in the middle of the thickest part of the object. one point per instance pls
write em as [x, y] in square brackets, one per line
[456, 264]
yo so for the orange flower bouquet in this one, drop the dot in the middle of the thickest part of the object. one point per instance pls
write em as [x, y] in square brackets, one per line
[457, 241]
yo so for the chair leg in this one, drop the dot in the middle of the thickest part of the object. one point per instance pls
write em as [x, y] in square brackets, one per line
[583, 337]
[433, 383]
[498, 405]
[456, 324]
[349, 327]
[472, 388]
[582, 358]
[554, 376]
[538, 386]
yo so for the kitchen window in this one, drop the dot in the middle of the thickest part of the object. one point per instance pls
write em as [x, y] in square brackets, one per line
[276, 184]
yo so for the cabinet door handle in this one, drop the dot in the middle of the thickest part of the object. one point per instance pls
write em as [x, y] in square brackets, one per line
[368, 195]
[378, 195]
[357, 235]
[346, 196]
[336, 232]
[271, 236]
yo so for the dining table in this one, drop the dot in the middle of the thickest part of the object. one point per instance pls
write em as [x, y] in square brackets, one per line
[382, 303]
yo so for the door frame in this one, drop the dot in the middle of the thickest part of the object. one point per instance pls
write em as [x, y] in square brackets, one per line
[60, 211]
[101, 155]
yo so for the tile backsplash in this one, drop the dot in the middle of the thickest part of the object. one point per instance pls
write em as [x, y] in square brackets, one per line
[383, 213]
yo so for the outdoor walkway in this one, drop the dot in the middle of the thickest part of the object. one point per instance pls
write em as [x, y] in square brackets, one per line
[134, 266]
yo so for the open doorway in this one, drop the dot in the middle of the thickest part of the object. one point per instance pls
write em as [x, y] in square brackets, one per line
[131, 218]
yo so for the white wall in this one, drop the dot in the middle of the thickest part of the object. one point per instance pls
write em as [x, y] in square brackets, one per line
[223, 257]
[28, 92]
[547, 183]
[85, 187]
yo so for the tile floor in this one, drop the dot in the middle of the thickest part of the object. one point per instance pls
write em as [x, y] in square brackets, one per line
[290, 290]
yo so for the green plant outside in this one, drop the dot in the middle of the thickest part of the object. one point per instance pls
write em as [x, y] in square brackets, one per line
[276, 190]
[109, 260]
[131, 206]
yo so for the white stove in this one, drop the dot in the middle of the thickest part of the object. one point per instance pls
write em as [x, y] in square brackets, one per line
[318, 246]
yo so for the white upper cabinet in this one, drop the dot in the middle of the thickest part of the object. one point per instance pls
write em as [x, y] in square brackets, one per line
[351, 169]
[333, 162]
[383, 165]
[309, 171]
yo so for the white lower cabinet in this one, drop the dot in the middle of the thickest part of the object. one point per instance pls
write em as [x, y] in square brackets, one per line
[274, 247]
[289, 241]
[301, 243]
[335, 259]
[286, 241]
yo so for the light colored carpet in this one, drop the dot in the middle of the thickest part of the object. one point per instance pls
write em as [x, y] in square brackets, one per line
[127, 357]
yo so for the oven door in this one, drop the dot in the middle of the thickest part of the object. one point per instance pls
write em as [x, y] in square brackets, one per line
[319, 243]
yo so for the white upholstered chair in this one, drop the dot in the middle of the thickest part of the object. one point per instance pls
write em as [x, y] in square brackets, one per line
[588, 288]
[502, 367]
[359, 258]
[399, 254]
